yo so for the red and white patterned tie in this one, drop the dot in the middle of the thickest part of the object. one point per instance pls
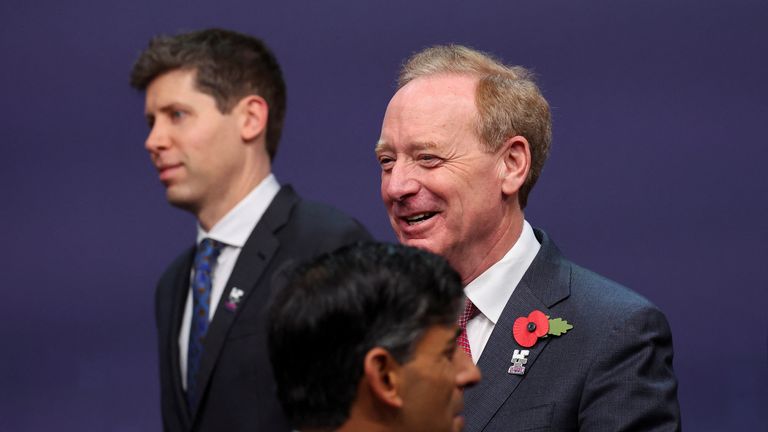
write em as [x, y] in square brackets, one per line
[470, 311]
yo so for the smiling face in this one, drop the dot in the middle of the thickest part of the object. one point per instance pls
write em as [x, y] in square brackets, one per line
[433, 383]
[441, 187]
[196, 149]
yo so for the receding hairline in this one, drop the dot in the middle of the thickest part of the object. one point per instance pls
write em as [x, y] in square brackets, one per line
[451, 58]
[464, 94]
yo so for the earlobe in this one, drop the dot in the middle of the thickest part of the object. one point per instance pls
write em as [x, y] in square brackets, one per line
[516, 163]
[255, 111]
[382, 372]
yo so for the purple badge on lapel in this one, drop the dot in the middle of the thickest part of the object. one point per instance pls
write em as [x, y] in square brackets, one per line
[519, 359]
[235, 296]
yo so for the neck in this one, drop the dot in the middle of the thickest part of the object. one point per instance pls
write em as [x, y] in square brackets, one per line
[231, 193]
[369, 414]
[363, 425]
[477, 262]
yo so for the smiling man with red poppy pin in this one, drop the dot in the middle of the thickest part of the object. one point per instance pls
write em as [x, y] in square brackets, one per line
[462, 144]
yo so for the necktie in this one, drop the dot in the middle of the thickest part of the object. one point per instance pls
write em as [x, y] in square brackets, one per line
[205, 259]
[470, 311]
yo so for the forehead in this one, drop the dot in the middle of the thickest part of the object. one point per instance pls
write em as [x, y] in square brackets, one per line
[427, 108]
[173, 86]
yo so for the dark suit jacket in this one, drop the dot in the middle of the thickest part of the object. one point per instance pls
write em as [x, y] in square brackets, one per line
[612, 372]
[235, 381]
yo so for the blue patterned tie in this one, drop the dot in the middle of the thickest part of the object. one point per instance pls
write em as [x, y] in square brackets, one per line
[205, 260]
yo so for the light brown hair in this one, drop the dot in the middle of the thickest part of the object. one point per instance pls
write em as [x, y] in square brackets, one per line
[507, 99]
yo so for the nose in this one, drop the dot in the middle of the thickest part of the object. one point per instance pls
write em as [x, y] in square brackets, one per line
[399, 183]
[467, 373]
[156, 140]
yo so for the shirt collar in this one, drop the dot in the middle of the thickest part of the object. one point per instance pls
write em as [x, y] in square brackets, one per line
[236, 226]
[492, 289]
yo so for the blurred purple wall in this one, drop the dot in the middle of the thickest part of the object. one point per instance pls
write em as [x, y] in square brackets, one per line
[656, 177]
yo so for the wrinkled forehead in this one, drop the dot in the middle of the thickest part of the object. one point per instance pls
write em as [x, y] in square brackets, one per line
[434, 92]
[430, 105]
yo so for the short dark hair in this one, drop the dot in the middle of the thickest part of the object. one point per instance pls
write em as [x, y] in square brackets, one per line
[229, 66]
[338, 307]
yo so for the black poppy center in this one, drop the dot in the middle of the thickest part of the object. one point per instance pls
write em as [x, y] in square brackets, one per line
[531, 327]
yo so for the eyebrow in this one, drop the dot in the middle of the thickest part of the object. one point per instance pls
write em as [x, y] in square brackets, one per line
[451, 343]
[169, 107]
[382, 146]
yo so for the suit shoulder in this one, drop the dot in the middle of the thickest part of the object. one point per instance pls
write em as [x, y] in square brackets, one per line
[599, 290]
[312, 228]
[316, 218]
[606, 304]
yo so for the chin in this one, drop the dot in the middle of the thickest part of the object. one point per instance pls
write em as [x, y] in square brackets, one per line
[179, 199]
[458, 424]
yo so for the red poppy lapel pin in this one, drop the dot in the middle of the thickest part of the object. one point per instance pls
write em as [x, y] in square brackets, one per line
[527, 330]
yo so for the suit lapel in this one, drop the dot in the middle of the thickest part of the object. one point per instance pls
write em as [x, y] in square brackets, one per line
[545, 283]
[250, 267]
[180, 292]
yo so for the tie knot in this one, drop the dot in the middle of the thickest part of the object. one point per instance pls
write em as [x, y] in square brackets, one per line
[207, 252]
[470, 311]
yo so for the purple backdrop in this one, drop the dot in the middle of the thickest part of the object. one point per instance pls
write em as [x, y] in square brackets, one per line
[655, 178]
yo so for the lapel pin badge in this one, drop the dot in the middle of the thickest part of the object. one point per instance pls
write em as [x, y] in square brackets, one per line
[527, 330]
[519, 359]
[235, 296]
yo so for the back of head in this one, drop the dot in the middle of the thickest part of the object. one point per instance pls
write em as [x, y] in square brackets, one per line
[228, 65]
[508, 100]
[339, 306]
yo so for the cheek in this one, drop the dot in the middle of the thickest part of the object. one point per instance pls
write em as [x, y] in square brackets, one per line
[483, 194]
[383, 189]
[456, 190]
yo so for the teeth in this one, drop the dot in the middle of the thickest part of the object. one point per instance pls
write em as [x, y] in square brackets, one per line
[418, 218]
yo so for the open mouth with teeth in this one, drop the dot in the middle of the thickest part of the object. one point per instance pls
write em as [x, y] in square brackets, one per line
[421, 217]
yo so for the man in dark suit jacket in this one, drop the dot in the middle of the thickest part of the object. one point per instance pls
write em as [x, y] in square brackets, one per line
[560, 348]
[215, 103]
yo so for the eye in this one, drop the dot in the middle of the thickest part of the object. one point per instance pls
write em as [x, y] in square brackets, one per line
[450, 352]
[429, 160]
[386, 162]
[150, 121]
[178, 115]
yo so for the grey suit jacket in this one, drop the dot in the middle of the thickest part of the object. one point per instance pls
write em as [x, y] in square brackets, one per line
[611, 372]
[235, 379]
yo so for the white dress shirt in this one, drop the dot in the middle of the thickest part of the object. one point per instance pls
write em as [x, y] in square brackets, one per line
[233, 231]
[492, 289]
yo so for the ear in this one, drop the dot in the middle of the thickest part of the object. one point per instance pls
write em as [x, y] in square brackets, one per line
[382, 372]
[515, 164]
[254, 112]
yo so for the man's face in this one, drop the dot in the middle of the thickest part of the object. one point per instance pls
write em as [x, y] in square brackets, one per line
[434, 380]
[441, 188]
[195, 148]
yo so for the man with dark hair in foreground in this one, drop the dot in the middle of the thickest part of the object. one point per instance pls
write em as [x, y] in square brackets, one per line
[364, 339]
[215, 104]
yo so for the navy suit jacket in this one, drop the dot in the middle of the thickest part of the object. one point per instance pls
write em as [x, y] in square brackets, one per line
[612, 372]
[237, 391]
